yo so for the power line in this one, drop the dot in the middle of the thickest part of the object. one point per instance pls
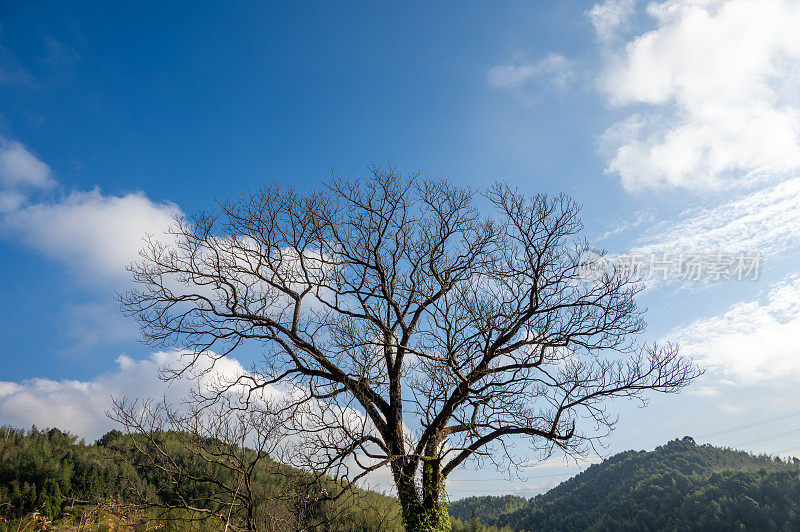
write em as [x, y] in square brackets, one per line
[751, 425]
[503, 491]
[507, 479]
[717, 433]
[772, 437]
[795, 448]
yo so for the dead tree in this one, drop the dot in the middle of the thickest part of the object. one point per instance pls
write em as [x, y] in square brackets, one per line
[203, 461]
[416, 330]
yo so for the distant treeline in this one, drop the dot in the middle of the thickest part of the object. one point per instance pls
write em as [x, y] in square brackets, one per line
[678, 486]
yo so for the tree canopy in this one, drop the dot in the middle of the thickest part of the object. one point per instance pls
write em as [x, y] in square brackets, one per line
[419, 324]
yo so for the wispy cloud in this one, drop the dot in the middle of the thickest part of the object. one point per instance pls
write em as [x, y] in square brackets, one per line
[610, 16]
[60, 55]
[13, 75]
[637, 219]
[753, 341]
[11, 72]
[20, 168]
[96, 323]
[553, 71]
[766, 221]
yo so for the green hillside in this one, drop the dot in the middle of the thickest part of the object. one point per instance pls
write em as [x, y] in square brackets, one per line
[678, 486]
[51, 479]
[488, 509]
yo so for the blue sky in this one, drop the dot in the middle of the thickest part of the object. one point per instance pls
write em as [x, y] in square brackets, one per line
[675, 124]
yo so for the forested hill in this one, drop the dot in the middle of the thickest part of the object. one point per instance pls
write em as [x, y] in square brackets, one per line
[51, 480]
[679, 485]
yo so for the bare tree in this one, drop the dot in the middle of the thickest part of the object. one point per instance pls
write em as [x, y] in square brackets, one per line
[416, 330]
[204, 460]
[218, 463]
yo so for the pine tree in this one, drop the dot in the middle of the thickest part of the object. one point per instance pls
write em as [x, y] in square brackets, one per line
[49, 502]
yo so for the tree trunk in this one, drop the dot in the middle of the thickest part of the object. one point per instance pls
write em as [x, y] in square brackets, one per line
[420, 518]
[428, 513]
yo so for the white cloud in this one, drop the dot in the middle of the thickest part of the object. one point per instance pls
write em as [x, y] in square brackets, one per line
[80, 406]
[704, 391]
[95, 235]
[754, 341]
[718, 80]
[554, 70]
[20, 168]
[7, 388]
[608, 17]
[10, 201]
[767, 222]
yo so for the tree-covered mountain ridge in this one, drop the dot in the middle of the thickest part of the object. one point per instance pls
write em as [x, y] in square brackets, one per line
[677, 486]
[51, 480]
